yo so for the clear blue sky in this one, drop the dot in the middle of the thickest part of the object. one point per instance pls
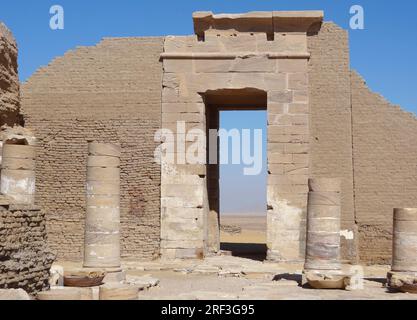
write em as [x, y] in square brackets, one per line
[384, 53]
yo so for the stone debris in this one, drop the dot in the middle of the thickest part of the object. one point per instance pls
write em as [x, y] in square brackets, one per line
[14, 294]
[142, 282]
[326, 280]
[403, 282]
[17, 135]
[65, 294]
[286, 283]
[230, 229]
[118, 291]
[56, 277]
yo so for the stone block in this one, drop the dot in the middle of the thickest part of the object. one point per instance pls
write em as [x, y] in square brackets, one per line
[182, 202]
[104, 149]
[325, 185]
[279, 158]
[18, 151]
[296, 148]
[183, 107]
[275, 81]
[324, 198]
[213, 65]
[288, 130]
[292, 65]
[183, 116]
[290, 42]
[116, 291]
[298, 108]
[300, 96]
[183, 213]
[13, 295]
[234, 42]
[191, 180]
[182, 190]
[179, 43]
[103, 188]
[298, 81]
[323, 211]
[255, 63]
[280, 96]
[103, 174]
[103, 161]
[18, 164]
[178, 65]
[297, 169]
[276, 108]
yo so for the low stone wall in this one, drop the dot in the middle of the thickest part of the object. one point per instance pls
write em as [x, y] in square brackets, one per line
[25, 259]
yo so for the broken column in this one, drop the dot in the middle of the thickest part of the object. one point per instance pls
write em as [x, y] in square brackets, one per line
[403, 275]
[102, 223]
[322, 267]
[18, 173]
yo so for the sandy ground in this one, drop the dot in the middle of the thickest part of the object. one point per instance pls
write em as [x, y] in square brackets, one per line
[250, 242]
[253, 229]
[235, 278]
[244, 275]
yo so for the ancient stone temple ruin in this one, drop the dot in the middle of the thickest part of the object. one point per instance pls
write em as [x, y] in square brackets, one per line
[25, 258]
[323, 122]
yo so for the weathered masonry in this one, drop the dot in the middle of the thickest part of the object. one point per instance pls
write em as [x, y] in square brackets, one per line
[323, 122]
[25, 258]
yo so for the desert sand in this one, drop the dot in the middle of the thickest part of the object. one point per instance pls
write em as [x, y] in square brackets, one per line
[244, 235]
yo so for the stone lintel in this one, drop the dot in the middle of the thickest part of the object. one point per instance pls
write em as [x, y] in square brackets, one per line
[257, 21]
[233, 55]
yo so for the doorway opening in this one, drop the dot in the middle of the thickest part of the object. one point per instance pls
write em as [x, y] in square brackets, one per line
[237, 183]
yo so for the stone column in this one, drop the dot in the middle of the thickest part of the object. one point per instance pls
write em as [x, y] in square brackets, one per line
[322, 263]
[403, 275]
[18, 173]
[323, 225]
[102, 223]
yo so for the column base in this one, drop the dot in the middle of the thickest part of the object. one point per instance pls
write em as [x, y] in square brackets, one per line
[402, 281]
[112, 274]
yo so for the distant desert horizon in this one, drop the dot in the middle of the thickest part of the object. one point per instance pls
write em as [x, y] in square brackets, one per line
[252, 228]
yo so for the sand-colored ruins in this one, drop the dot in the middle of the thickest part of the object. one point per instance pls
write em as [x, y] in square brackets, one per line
[340, 157]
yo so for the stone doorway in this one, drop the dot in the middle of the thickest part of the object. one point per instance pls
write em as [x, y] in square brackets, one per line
[238, 229]
[234, 62]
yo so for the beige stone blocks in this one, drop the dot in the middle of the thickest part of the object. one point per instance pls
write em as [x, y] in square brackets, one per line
[266, 23]
[292, 66]
[117, 291]
[287, 130]
[405, 240]
[17, 173]
[323, 225]
[298, 108]
[297, 81]
[225, 58]
[288, 119]
[280, 96]
[102, 222]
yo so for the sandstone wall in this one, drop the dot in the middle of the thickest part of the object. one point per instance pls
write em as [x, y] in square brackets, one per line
[9, 80]
[109, 93]
[385, 167]
[330, 119]
[25, 259]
